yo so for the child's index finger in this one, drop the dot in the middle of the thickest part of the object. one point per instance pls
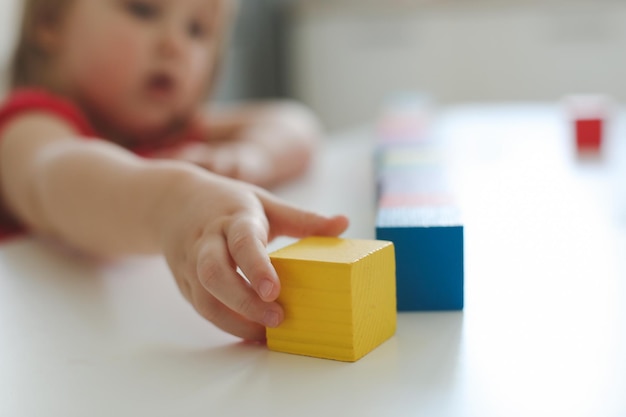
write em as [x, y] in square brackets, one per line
[245, 239]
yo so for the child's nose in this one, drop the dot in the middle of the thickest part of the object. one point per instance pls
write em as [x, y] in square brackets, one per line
[172, 41]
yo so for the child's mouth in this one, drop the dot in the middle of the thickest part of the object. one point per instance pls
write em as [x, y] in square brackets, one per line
[161, 86]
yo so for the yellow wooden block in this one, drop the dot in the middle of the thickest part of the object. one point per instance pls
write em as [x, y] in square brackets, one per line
[339, 297]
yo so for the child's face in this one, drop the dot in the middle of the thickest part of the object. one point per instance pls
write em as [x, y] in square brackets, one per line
[138, 65]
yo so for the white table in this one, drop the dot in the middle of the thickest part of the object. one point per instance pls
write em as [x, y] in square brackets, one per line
[543, 332]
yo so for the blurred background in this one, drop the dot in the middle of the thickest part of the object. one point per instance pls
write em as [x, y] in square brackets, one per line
[345, 57]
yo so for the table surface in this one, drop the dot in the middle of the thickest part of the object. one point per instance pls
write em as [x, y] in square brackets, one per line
[543, 331]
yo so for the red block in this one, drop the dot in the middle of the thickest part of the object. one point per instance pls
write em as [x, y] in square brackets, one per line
[589, 135]
[589, 115]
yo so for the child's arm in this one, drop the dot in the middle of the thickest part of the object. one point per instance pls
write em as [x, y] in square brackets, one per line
[101, 198]
[263, 144]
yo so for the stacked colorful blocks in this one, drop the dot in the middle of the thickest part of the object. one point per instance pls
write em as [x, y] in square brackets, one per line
[417, 211]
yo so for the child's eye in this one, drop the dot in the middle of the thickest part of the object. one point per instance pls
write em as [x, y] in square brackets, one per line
[196, 29]
[142, 9]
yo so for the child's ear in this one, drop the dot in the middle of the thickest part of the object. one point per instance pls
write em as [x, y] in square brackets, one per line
[47, 31]
[47, 40]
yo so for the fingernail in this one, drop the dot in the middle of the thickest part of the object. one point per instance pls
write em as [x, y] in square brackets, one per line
[271, 318]
[266, 288]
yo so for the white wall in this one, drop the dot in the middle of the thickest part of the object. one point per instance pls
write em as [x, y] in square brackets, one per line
[348, 55]
[9, 12]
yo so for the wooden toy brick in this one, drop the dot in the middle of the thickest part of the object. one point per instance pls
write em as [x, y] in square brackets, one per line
[339, 297]
[429, 256]
[589, 115]
[588, 134]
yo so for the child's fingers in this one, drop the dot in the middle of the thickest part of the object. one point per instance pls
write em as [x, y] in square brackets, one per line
[216, 276]
[198, 153]
[292, 221]
[217, 313]
[247, 238]
[224, 162]
[201, 154]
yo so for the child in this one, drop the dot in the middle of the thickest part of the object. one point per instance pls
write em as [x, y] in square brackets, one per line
[133, 72]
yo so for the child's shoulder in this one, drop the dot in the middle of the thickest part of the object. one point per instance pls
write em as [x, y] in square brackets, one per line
[25, 100]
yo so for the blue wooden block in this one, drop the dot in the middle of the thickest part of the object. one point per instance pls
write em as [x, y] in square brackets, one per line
[429, 266]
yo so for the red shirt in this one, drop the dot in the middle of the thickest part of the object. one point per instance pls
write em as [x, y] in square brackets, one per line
[38, 100]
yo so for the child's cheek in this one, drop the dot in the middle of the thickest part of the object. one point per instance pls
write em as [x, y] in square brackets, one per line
[115, 60]
[201, 65]
[127, 55]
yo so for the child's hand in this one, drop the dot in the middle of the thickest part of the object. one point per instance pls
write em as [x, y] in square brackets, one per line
[247, 161]
[216, 225]
[263, 143]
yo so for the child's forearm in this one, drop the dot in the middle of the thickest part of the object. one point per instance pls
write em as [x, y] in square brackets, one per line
[101, 198]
